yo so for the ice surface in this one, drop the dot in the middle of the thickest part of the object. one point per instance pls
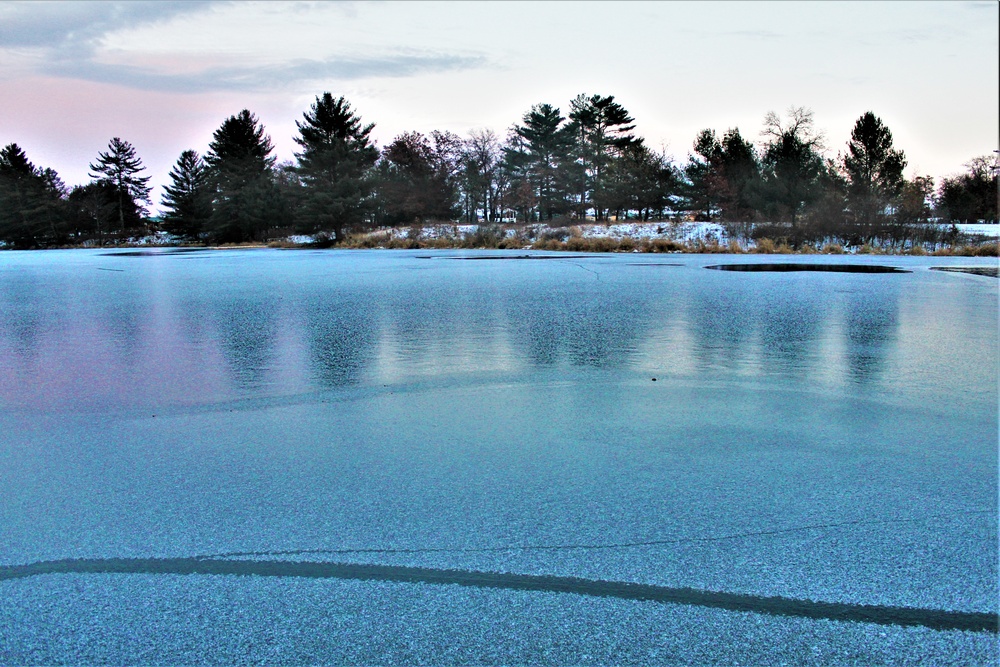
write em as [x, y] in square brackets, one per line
[825, 436]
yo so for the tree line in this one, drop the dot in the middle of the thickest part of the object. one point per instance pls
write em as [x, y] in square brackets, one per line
[588, 164]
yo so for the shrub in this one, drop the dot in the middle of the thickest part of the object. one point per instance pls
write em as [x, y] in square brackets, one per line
[404, 243]
[664, 245]
[988, 250]
[441, 242]
[485, 236]
[594, 244]
[555, 234]
[548, 244]
[765, 246]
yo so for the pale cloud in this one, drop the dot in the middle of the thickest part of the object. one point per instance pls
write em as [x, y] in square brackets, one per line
[277, 76]
[77, 41]
[81, 25]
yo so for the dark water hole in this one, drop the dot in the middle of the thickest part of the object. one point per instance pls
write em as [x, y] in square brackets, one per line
[154, 253]
[837, 268]
[990, 271]
[510, 257]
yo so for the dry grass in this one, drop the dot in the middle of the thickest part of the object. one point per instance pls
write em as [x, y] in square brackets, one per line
[989, 249]
[981, 250]
[571, 238]
[548, 244]
[663, 245]
[765, 246]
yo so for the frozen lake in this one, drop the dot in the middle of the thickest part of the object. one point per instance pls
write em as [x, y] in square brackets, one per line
[172, 420]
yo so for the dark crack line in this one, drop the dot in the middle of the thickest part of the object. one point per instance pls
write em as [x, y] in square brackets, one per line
[935, 619]
[581, 266]
[569, 547]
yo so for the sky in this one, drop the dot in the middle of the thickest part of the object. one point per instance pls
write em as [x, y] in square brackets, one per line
[165, 75]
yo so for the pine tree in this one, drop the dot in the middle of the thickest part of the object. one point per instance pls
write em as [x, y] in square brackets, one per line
[32, 201]
[541, 155]
[335, 166]
[187, 200]
[740, 175]
[120, 167]
[640, 180]
[91, 210]
[874, 170]
[239, 164]
[703, 174]
[603, 129]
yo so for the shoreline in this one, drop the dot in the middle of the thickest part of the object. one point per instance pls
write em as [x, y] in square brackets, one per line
[615, 237]
[983, 250]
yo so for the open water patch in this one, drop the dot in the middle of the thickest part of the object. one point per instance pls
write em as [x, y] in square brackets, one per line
[799, 266]
[509, 257]
[990, 271]
[154, 253]
[935, 619]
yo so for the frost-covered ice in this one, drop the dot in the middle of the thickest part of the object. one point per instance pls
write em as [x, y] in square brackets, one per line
[815, 436]
[172, 620]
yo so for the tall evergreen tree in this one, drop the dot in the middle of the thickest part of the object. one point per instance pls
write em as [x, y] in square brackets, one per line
[239, 163]
[703, 174]
[187, 201]
[602, 129]
[640, 180]
[874, 170]
[32, 206]
[541, 155]
[92, 210]
[335, 166]
[120, 166]
[739, 175]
